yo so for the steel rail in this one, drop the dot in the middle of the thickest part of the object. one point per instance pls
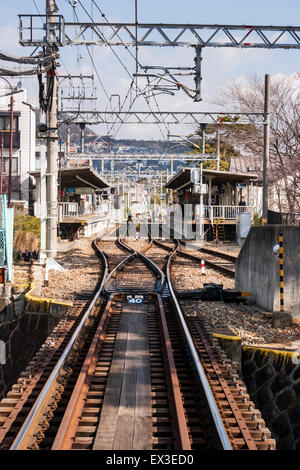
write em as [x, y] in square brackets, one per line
[24, 434]
[165, 247]
[220, 254]
[66, 433]
[118, 267]
[211, 264]
[179, 422]
[63, 439]
[199, 368]
[147, 260]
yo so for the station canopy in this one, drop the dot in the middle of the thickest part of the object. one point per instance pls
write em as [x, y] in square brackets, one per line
[81, 177]
[183, 178]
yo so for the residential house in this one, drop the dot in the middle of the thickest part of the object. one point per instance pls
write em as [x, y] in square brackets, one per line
[24, 130]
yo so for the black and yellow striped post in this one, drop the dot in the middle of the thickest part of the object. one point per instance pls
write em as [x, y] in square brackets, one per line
[280, 252]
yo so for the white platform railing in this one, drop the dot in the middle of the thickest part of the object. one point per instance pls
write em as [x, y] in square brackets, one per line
[226, 212]
[67, 209]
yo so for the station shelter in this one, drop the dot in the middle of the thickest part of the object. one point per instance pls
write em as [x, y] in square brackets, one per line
[81, 208]
[222, 194]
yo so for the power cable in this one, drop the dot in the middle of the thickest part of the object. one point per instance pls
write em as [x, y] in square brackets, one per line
[132, 55]
[93, 63]
[116, 55]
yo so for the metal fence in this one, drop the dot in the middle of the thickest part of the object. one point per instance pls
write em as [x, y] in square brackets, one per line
[67, 209]
[226, 212]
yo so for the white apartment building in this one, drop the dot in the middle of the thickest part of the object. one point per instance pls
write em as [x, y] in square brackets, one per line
[24, 131]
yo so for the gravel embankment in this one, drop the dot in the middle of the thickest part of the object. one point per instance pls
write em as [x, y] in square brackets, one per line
[245, 321]
[252, 326]
[186, 275]
[82, 270]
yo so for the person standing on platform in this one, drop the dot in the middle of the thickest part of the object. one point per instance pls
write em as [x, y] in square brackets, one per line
[242, 202]
[137, 229]
[129, 217]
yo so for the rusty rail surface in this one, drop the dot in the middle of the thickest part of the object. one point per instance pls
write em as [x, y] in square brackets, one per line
[42, 405]
[66, 435]
[188, 371]
[226, 392]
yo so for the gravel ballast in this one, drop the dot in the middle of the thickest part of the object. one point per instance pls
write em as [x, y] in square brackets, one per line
[82, 271]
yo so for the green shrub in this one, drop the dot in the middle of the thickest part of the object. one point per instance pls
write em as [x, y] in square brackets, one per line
[257, 220]
[26, 232]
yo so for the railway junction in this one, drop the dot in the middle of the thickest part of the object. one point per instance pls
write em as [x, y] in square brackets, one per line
[146, 306]
[149, 354]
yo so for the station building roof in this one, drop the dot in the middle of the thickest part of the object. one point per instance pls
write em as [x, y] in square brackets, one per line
[183, 178]
[81, 177]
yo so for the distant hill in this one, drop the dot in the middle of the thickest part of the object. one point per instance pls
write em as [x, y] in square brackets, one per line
[158, 146]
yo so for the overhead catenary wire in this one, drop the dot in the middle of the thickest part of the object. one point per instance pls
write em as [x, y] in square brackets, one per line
[18, 73]
[36, 60]
[93, 63]
[142, 92]
[135, 58]
[116, 55]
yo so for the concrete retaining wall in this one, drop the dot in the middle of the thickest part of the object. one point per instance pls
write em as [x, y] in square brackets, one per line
[43, 304]
[257, 268]
[273, 383]
[272, 378]
[22, 336]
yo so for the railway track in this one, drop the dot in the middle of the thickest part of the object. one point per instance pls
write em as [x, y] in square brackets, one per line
[167, 415]
[139, 374]
[222, 262]
[20, 400]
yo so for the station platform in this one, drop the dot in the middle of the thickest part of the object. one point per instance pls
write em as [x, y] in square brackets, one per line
[82, 225]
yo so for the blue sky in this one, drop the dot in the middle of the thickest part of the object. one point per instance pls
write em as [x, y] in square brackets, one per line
[200, 11]
[219, 65]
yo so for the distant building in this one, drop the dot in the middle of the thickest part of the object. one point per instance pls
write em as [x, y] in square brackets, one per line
[40, 154]
[24, 157]
[79, 162]
[73, 149]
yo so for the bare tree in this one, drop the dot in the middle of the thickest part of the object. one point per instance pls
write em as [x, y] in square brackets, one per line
[247, 95]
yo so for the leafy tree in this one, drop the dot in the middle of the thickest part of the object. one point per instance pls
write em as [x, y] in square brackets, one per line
[227, 150]
[247, 95]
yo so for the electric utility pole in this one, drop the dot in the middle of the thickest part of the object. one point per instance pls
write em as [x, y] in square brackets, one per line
[52, 141]
[203, 127]
[218, 150]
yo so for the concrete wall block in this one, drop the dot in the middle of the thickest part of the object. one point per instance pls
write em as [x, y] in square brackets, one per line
[273, 383]
[23, 337]
[257, 268]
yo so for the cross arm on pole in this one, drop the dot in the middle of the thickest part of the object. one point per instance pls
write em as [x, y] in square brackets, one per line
[159, 34]
[167, 117]
[185, 35]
